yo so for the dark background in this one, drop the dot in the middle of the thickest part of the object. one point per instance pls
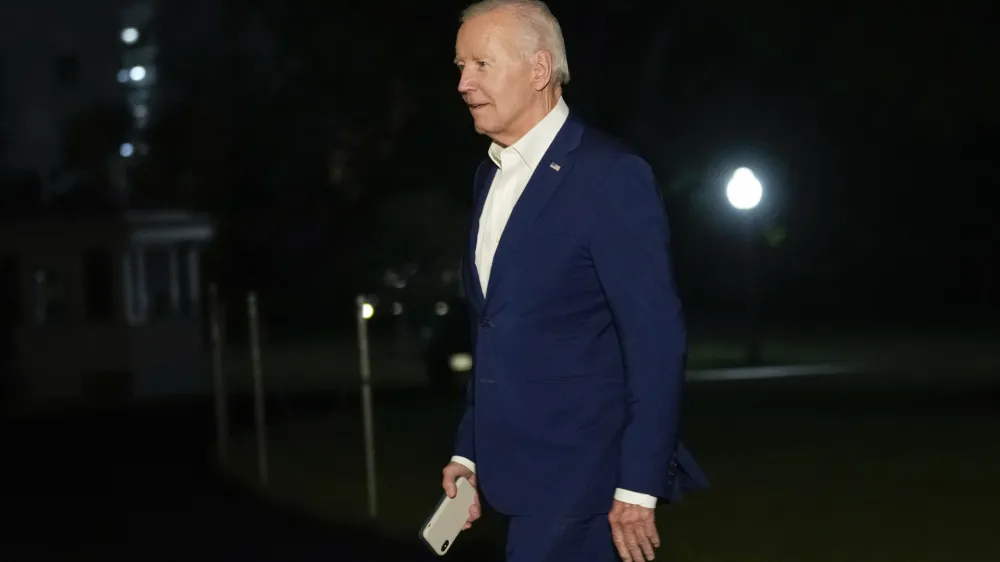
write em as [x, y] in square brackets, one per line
[329, 142]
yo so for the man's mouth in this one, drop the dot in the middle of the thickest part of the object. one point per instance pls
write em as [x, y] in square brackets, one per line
[476, 105]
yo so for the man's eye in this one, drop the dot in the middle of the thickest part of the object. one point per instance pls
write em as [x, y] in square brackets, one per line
[481, 64]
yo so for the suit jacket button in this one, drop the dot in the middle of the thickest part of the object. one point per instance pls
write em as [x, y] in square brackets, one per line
[486, 324]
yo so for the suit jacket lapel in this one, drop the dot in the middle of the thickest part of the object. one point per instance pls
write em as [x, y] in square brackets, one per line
[481, 187]
[547, 177]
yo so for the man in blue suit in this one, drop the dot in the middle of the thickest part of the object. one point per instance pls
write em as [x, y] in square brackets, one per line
[571, 425]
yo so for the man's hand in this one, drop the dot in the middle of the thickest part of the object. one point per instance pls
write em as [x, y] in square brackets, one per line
[451, 473]
[633, 528]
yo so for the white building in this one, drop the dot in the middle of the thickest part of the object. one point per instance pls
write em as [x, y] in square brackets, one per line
[106, 301]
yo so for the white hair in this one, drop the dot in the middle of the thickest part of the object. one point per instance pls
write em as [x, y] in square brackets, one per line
[542, 29]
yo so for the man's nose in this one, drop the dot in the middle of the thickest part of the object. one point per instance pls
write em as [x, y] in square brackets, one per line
[465, 84]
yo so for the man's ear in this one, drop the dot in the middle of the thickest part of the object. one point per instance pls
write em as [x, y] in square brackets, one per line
[541, 70]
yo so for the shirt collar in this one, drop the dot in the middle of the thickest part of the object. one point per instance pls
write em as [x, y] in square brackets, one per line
[532, 146]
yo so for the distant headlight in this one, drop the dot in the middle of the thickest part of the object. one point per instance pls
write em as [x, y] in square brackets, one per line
[460, 362]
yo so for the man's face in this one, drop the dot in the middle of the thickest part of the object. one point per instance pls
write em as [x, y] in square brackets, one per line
[496, 81]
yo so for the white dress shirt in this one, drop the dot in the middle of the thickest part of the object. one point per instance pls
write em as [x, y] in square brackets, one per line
[515, 165]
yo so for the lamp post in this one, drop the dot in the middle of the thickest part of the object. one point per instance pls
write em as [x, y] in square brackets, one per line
[365, 310]
[744, 192]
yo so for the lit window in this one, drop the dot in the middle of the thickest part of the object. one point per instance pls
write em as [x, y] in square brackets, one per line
[137, 73]
[130, 35]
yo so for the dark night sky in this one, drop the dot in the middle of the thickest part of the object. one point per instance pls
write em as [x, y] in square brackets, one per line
[872, 124]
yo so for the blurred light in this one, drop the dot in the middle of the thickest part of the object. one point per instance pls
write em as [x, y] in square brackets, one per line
[397, 308]
[140, 111]
[137, 73]
[460, 362]
[744, 190]
[367, 310]
[123, 75]
[394, 280]
[130, 35]
[126, 150]
[441, 308]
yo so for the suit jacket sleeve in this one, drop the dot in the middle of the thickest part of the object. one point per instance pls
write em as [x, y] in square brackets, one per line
[630, 249]
[465, 438]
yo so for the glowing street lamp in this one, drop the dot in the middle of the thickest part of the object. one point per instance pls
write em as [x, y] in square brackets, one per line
[744, 192]
[365, 311]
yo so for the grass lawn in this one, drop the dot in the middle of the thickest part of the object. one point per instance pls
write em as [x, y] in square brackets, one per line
[817, 470]
[319, 366]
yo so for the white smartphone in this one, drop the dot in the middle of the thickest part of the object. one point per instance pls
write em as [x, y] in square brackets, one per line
[448, 518]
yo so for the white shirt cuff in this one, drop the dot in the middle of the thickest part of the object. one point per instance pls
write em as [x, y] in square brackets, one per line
[627, 496]
[464, 462]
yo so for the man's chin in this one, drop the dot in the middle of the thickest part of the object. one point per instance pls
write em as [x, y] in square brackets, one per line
[481, 128]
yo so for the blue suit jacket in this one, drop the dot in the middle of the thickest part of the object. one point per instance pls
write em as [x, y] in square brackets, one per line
[580, 342]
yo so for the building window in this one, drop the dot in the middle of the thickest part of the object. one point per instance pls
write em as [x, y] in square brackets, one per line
[51, 297]
[130, 35]
[137, 73]
[10, 291]
[99, 289]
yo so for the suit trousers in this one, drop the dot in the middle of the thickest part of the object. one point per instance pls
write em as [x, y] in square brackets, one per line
[560, 539]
